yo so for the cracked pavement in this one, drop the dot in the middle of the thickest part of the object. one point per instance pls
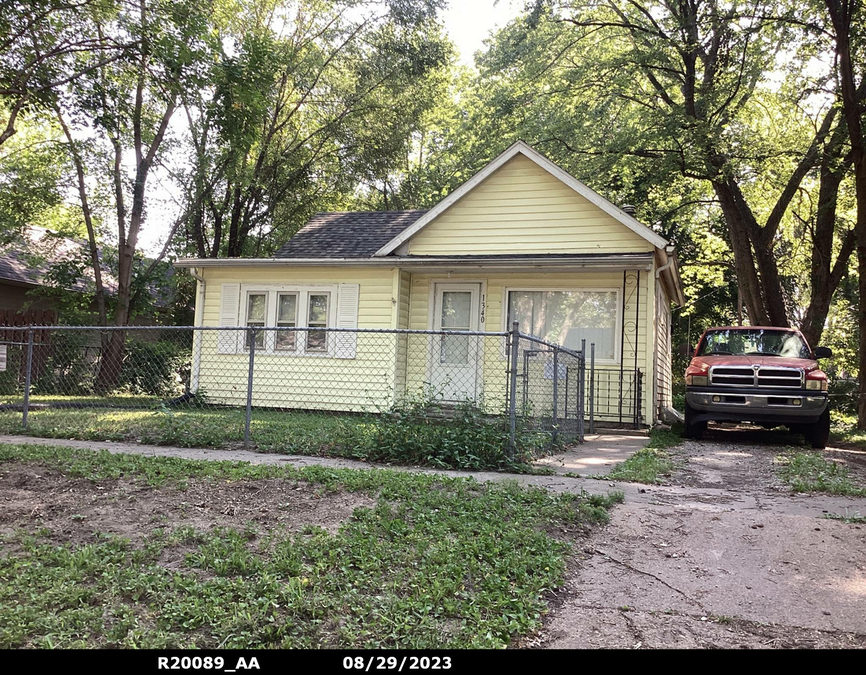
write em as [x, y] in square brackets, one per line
[724, 557]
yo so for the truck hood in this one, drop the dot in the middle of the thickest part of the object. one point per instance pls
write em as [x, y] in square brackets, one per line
[769, 361]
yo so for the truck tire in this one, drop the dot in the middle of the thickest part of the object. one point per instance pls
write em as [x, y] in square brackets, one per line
[818, 434]
[693, 430]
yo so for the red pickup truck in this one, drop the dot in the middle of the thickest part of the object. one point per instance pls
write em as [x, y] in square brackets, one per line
[764, 375]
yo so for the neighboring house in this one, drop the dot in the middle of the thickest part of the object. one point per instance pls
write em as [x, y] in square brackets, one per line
[25, 267]
[522, 240]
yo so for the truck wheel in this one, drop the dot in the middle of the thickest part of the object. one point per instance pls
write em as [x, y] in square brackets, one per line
[693, 429]
[818, 434]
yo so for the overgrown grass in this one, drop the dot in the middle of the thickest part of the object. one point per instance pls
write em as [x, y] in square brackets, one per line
[439, 562]
[651, 462]
[407, 434]
[810, 472]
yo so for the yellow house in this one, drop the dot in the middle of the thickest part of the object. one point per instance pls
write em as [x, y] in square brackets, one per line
[520, 241]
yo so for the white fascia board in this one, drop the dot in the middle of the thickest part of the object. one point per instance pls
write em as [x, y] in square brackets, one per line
[557, 172]
[545, 262]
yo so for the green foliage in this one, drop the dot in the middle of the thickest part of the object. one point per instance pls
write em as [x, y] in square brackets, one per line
[154, 368]
[810, 472]
[651, 462]
[436, 563]
[413, 432]
[420, 431]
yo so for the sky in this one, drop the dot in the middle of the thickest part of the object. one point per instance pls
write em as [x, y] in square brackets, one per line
[468, 23]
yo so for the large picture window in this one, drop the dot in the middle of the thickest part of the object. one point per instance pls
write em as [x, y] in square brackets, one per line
[566, 317]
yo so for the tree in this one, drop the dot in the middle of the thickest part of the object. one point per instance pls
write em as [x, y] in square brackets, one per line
[684, 93]
[129, 102]
[846, 17]
[299, 111]
[41, 42]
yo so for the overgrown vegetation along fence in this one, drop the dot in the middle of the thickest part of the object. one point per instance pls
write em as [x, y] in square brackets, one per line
[456, 398]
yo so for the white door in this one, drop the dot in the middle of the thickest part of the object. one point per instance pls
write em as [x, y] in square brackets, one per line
[456, 359]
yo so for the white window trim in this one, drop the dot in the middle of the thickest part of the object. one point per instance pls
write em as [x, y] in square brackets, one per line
[617, 347]
[303, 291]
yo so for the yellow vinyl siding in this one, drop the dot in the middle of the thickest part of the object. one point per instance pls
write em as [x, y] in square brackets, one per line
[367, 381]
[663, 365]
[494, 363]
[523, 209]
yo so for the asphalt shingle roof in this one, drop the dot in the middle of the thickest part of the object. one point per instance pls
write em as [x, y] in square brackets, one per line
[349, 234]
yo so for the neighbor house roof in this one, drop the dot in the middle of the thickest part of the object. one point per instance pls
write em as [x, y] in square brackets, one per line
[347, 234]
[29, 260]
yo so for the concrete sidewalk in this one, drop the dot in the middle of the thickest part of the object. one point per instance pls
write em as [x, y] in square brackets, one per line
[598, 455]
[686, 498]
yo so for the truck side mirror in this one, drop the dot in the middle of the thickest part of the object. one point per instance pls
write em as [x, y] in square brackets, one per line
[823, 352]
[685, 349]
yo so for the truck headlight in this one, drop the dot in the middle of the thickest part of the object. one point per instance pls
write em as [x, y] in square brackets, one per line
[697, 380]
[816, 385]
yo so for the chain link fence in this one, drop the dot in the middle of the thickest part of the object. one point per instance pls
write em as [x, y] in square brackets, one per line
[290, 388]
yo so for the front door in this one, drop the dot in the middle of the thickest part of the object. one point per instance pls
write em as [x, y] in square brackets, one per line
[456, 359]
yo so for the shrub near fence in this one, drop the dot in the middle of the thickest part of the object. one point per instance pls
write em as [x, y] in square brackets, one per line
[468, 399]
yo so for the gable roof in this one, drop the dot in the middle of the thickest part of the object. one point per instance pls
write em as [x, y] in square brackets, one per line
[557, 172]
[348, 234]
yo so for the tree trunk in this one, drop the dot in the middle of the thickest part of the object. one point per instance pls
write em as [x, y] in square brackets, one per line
[744, 262]
[842, 16]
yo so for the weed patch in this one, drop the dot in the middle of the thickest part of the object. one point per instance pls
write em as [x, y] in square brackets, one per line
[433, 562]
[810, 472]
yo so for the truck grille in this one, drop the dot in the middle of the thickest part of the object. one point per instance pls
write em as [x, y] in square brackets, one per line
[746, 376]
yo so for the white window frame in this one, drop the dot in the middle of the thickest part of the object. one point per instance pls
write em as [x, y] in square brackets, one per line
[277, 297]
[617, 347]
[329, 324]
[303, 292]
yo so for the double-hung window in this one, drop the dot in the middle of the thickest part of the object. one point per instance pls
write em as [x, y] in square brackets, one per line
[257, 312]
[565, 317]
[286, 307]
[287, 317]
[317, 317]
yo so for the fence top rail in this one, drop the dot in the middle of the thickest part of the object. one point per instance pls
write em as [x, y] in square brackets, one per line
[386, 331]
[551, 345]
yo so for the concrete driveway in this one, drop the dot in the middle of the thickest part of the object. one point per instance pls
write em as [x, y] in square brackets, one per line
[598, 455]
[726, 556]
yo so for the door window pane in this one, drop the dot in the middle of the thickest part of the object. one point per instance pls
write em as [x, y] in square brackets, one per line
[456, 315]
[456, 310]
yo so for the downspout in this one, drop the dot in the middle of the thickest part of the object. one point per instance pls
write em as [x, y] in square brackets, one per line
[669, 250]
[198, 320]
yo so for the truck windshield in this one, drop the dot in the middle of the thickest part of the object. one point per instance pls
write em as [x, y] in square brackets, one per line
[757, 342]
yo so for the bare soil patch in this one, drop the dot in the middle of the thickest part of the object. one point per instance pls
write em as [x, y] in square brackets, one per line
[79, 510]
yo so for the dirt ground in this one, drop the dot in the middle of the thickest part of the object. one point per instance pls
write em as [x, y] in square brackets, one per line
[725, 557]
[78, 510]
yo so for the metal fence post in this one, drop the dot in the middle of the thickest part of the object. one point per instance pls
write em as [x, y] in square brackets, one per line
[25, 409]
[555, 419]
[512, 400]
[581, 399]
[251, 333]
[592, 388]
